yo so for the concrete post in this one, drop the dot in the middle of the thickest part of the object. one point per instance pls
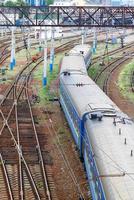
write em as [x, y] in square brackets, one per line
[45, 61]
[12, 60]
[52, 51]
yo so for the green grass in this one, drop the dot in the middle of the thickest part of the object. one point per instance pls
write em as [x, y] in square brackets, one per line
[124, 81]
[21, 56]
[47, 92]
[94, 69]
[101, 48]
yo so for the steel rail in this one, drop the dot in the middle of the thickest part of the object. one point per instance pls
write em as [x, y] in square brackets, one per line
[23, 86]
[14, 103]
[39, 149]
[15, 142]
[112, 52]
[7, 56]
[31, 114]
[62, 45]
[21, 194]
[22, 157]
[105, 86]
[113, 62]
[17, 145]
[16, 98]
[7, 179]
[9, 114]
[38, 145]
[110, 64]
[66, 162]
[61, 149]
[132, 81]
[8, 53]
[48, 192]
[18, 87]
[13, 84]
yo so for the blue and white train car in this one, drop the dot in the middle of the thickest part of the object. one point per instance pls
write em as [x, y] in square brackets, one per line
[85, 50]
[103, 134]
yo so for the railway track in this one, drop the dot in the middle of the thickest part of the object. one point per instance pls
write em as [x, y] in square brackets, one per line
[24, 147]
[27, 173]
[103, 76]
[62, 155]
[113, 52]
[132, 81]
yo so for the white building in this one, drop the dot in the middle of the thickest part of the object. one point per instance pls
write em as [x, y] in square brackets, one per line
[129, 2]
[64, 3]
[105, 2]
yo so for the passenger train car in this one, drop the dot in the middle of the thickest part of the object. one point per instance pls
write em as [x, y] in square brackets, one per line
[84, 50]
[103, 134]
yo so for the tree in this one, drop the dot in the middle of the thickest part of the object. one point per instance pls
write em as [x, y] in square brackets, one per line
[20, 3]
[15, 3]
[48, 2]
[9, 3]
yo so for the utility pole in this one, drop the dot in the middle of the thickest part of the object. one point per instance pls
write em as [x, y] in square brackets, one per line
[45, 60]
[52, 50]
[12, 60]
[82, 35]
[94, 41]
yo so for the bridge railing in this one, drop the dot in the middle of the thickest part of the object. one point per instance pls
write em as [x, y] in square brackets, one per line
[76, 16]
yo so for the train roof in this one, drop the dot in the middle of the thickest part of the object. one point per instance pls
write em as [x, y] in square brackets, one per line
[114, 156]
[83, 49]
[74, 64]
[87, 97]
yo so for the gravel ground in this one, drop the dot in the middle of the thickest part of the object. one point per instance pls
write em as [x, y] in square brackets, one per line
[62, 147]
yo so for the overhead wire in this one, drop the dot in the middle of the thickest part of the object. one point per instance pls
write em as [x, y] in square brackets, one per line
[121, 169]
[117, 166]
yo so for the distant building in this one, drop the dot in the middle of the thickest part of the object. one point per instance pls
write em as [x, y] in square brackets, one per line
[117, 2]
[63, 3]
[36, 2]
[129, 2]
[99, 2]
[105, 2]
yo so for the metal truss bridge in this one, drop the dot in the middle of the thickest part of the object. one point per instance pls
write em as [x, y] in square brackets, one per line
[75, 16]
